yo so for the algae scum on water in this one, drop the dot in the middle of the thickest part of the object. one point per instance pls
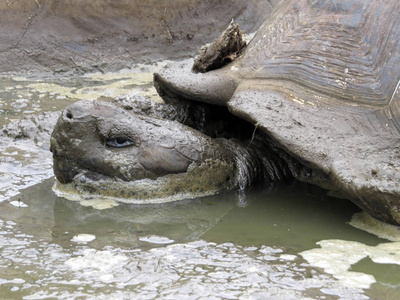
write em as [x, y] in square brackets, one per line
[282, 243]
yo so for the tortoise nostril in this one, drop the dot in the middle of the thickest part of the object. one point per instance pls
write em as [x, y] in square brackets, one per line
[69, 115]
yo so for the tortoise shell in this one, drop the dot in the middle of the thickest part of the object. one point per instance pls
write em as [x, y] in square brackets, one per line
[344, 48]
[321, 78]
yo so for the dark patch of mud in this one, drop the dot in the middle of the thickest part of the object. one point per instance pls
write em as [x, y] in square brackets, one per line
[86, 36]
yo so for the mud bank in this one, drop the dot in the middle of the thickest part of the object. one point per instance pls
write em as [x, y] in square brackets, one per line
[86, 36]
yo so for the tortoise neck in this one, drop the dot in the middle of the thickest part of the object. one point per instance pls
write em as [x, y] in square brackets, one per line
[259, 161]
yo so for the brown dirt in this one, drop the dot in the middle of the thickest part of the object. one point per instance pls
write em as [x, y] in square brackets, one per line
[221, 51]
[107, 35]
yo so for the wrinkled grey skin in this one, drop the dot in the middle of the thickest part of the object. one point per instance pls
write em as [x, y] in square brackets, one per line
[98, 141]
[320, 79]
[106, 139]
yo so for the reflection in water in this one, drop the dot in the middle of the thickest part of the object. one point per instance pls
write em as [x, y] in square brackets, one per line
[133, 225]
[59, 248]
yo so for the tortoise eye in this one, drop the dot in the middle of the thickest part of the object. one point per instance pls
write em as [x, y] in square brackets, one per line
[119, 142]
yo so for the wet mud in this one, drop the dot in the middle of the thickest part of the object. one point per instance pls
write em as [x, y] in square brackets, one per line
[81, 36]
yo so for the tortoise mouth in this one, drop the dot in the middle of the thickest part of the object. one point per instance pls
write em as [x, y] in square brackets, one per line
[65, 169]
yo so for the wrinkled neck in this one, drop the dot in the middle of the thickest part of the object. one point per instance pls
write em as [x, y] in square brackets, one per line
[258, 161]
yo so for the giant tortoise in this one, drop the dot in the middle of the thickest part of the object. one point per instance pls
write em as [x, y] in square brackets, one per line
[318, 85]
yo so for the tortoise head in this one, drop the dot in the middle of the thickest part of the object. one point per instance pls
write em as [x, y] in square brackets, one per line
[101, 141]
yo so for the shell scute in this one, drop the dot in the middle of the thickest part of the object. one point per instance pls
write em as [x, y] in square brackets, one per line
[343, 48]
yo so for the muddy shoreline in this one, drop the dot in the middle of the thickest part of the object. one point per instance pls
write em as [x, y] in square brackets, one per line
[75, 37]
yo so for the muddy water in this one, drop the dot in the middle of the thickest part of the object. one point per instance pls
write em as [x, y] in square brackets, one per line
[281, 242]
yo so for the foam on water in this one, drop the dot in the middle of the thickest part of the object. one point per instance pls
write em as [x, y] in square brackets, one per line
[83, 238]
[365, 222]
[153, 239]
[336, 257]
[18, 203]
[113, 85]
[198, 268]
